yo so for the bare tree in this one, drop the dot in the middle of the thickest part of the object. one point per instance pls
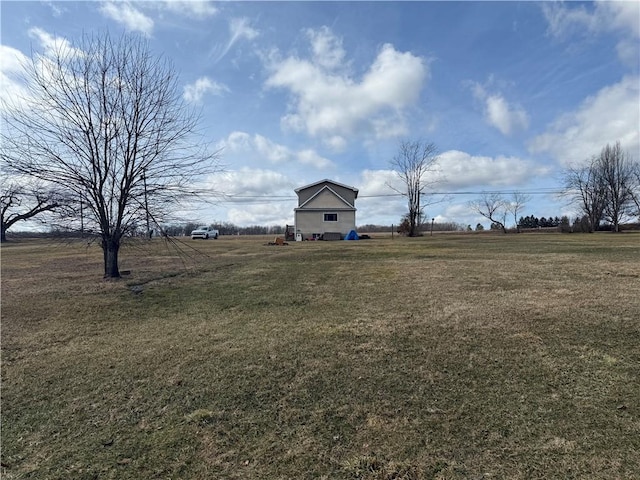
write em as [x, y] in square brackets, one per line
[635, 189]
[493, 207]
[516, 205]
[606, 188]
[413, 162]
[584, 186]
[20, 202]
[618, 174]
[105, 121]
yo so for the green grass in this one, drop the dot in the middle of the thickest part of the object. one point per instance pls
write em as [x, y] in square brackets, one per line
[448, 357]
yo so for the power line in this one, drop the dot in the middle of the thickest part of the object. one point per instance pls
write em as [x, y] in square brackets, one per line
[286, 198]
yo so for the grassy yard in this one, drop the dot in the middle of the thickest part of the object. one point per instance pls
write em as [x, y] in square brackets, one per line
[444, 357]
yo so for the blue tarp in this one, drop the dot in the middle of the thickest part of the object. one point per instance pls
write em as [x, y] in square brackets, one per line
[352, 235]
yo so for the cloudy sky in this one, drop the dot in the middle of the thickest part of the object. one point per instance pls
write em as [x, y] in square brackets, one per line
[294, 92]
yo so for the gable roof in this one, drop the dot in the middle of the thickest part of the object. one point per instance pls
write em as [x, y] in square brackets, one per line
[326, 187]
[326, 180]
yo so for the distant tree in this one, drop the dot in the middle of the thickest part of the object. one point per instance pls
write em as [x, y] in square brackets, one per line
[479, 227]
[20, 201]
[524, 222]
[493, 207]
[606, 188]
[581, 224]
[635, 190]
[105, 120]
[404, 228]
[414, 161]
[529, 222]
[618, 173]
[585, 187]
[516, 205]
[227, 228]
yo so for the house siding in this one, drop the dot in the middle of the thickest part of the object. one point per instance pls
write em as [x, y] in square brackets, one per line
[325, 197]
[310, 222]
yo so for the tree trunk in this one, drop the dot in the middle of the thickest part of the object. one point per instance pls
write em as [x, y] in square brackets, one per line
[110, 249]
[3, 235]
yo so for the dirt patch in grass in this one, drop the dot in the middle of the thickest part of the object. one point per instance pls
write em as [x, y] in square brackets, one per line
[441, 357]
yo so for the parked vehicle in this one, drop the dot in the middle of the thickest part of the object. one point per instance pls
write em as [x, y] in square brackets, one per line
[205, 233]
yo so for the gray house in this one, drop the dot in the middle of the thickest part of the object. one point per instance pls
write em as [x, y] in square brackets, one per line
[326, 210]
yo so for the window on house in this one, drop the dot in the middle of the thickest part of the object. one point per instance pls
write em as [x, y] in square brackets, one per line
[330, 217]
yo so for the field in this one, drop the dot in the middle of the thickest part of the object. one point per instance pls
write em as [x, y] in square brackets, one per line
[443, 357]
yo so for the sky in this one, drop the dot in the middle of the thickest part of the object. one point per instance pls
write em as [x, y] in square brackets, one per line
[511, 93]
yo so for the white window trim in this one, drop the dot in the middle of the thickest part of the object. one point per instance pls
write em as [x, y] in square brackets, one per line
[324, 217]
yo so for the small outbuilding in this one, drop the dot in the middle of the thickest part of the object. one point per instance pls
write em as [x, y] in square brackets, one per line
[326, 211]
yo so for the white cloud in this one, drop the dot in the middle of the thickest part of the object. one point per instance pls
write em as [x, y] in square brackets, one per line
[459, 170]
[564, 21]
[194, 92]
[327, 48]
[11, 60]
[618, 17]
[606, 16]
[379, 182]
[251, 182]
[312, 159]
[239, 29]
[127, 15]
[264, 214]
[138, 18]
[628, 52]
[50, 43]
[12, 87]
[272, 151]
[56, 10]
[190, 8]
[255, 196]
[505, 117]
[260, 148]
[621, 15]
[14, 91]
[611, 115]
[330, 104]
[499, 113]
[378, 199]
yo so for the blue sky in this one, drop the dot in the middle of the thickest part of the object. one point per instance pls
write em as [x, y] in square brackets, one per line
[294, 92]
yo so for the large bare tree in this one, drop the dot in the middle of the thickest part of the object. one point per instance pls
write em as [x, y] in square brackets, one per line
[104, 119]
[413, 162]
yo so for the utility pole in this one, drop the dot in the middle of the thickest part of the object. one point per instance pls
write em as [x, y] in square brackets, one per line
[81, 218]
[146, 204]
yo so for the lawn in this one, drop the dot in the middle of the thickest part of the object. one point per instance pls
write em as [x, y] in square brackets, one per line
[441, 357]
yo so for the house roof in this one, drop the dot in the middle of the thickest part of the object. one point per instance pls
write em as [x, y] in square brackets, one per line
[326, 180]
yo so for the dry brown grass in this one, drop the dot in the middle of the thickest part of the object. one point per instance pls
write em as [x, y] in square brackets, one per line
[460, 356]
